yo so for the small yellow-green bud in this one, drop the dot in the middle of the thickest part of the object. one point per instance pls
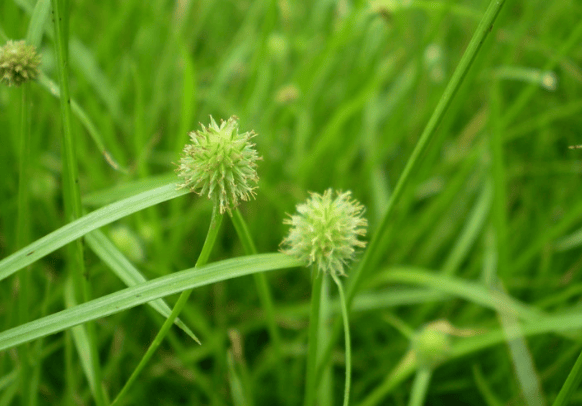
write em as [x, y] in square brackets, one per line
[18, 63]
[431, 347]
[287, 94]
[325, 231]
[220, 163]
[128, 243]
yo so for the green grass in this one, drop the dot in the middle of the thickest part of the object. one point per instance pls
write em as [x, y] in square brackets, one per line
[471, 194]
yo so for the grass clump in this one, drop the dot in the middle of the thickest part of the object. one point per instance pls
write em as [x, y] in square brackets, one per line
[449, 122]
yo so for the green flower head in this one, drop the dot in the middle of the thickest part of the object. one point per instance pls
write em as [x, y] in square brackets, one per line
[18, 63]
[325, 231]
[220, 163]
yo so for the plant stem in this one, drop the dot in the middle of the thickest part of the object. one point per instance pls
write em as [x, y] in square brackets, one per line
[213, 229]
[22, 236]
[420, 386]
[71, 194]
[311, 381]
[344, 307]
[265, 297]
[370, 257]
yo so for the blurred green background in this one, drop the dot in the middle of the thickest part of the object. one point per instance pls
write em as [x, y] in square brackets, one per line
[338, 93]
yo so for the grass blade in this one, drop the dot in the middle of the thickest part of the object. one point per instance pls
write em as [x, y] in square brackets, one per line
[84, 225]
[37, 22]
[144, 293]
[571, 385]
[129, 274]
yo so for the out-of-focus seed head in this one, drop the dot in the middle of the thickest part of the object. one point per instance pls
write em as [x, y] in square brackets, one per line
[18, 63]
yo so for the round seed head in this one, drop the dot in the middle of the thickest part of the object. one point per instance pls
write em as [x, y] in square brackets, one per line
[220, 163]
[18, 63]
[325, 231]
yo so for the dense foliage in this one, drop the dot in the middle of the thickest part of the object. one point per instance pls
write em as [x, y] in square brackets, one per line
[481, 249]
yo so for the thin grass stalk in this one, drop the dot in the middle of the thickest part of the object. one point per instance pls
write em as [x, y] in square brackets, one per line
[213, 229]
[265, 297]
[71, 193]
[310, 380]
[22, 236]
[420, 387]
[370, 257]
[348, 342]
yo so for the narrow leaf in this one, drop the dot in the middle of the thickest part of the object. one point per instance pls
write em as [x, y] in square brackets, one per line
[144, 293]
[84, 225]
[129, 274]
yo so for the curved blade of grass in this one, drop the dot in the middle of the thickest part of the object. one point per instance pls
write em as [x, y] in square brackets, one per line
[37, 22]
[472, 292]
[427, 135]
[375, 247]
[126, 189]
[523, 364]
[129, 274]
[571, 385]
[82, 342]
[83, 117]
[34, 37]
[144, 293]
[84, 225]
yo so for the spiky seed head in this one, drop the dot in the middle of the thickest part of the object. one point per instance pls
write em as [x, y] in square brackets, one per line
[220, 163]
[325, 231]
[18, 63]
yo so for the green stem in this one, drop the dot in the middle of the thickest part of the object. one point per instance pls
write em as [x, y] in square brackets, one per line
[22, 235]
[23, 171]
[213, 229]
[374, 249]
[311, 381]
[71, 193]
[420, 386]
[265, 297]
[346, 320]
[243, 232]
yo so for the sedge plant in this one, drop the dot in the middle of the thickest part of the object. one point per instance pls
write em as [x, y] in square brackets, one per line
[243, 74]
[220, 163]
[325, 234]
